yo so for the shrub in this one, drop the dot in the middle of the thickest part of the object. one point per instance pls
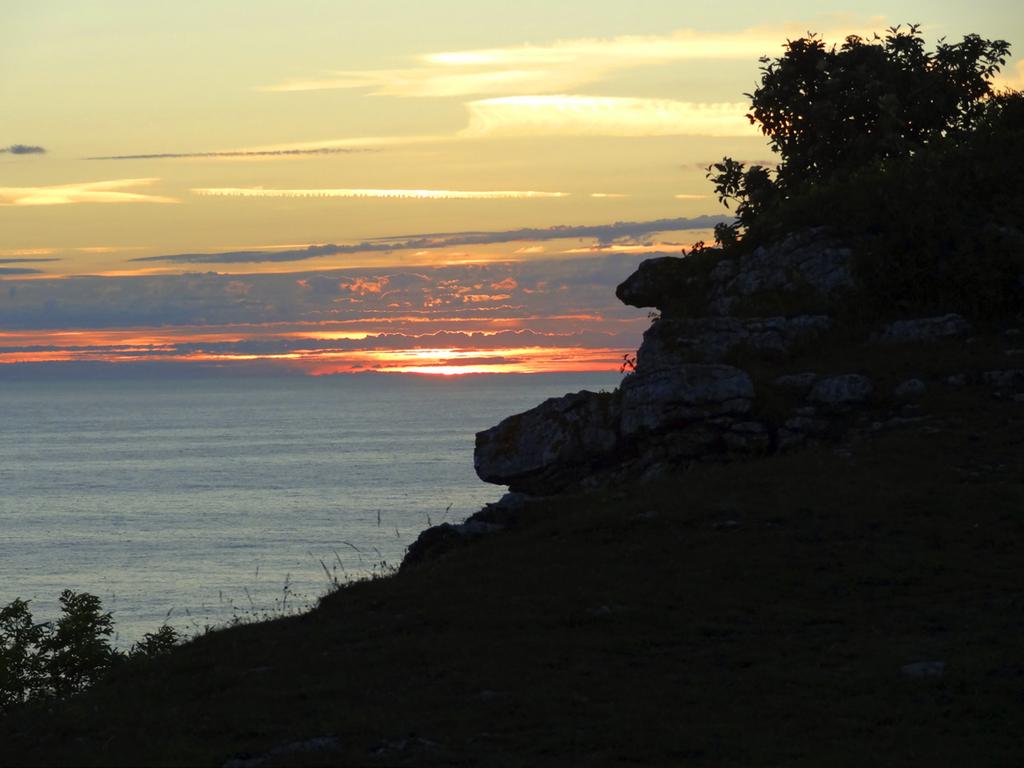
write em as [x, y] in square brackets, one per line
[63, 657]
[907, 154]
[831, 112]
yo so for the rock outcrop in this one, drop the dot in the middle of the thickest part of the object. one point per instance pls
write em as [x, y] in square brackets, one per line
[714, 381]
[549, 447]
[810, 267]
[670, 342]
[686, 400]
[924, 329]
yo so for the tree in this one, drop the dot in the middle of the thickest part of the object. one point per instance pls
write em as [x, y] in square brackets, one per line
[831, 112]
[46, 659]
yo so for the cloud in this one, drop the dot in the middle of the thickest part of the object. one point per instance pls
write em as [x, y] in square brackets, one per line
[566, 115]
[552, 295]
[409, 194]
[22, 149]
[530, 115]
[295, 149]
[27, 260]
[237, 153]
[563, 64]
[85, 192]
[603, 233]
[19, 271]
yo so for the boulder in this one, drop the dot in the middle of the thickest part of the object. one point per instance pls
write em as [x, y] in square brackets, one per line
[670, 342]
[847, 389]
[911, 389]
[924, 329]
[1005, 382]
[809, 261]
[799, 383]
[551, 446]
[654, 282]
[670, 397]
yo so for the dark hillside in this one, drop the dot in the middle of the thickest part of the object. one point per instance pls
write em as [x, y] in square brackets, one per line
[767, 612]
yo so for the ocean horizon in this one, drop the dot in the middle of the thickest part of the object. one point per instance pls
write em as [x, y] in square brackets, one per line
[198, 498]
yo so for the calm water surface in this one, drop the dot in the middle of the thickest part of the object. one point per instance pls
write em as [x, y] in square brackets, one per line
[209, 497]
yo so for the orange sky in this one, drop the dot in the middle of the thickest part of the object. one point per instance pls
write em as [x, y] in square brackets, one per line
[387, 186]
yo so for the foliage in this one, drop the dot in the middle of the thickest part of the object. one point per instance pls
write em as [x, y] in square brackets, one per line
[828, 110]
[77, 648]
[908, 155]
[157, 643]
[22, 662]
[56, 659]
[832, 112]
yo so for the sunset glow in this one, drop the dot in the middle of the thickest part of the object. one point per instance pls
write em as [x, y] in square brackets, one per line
[454, 189]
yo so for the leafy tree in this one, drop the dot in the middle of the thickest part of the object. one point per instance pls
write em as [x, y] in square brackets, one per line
[22, 663]
[78, 646]
[831, 112]
[67, 656]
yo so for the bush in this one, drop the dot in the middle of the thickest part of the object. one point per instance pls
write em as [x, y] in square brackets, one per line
[54, 659]
[908, 155]
[832, 112]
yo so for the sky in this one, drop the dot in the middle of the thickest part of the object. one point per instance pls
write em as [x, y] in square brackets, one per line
[323, 187]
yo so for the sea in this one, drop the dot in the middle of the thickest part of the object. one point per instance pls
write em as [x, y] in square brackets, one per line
[200, 501]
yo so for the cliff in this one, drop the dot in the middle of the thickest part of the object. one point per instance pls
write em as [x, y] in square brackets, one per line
[717, 379]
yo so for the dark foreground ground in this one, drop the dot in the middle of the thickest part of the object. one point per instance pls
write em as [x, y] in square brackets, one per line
[748, 615]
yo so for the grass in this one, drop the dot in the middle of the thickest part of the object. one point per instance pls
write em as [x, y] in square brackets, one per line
[752, 614]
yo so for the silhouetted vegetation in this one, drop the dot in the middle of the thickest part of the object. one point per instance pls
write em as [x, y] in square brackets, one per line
[909, 154]
[57, 659]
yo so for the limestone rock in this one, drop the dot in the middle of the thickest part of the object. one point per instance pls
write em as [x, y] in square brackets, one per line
[1007, 381]
[675, 396]
[799, 383]
[924, 329]
[810, 260]
[911, 389]
[544, 449]
[748, 437]
[847, 389]
[711, 339]
[924, 669]
[654, 281]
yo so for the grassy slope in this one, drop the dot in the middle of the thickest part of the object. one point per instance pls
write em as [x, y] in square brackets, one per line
[752, 614]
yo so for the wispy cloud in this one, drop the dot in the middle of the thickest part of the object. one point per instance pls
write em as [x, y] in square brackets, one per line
[531, 115]
[236, 153]
[544, 295]
[20, 271]
[562, 64]
[22, 149]
[28, 260]
[84, 192]
[602, 233]
[566, 115]
[408, 194]
[295, 149]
